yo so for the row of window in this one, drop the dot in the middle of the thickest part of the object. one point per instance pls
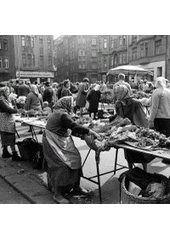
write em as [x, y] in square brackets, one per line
[4, 63]
[29, 60]
[3, 44]
[144, 49]
[28, 41]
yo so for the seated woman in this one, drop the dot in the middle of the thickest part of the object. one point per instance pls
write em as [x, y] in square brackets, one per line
[62, 157]
[126, 106]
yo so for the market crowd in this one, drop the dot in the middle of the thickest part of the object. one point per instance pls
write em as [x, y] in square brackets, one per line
[61, 102]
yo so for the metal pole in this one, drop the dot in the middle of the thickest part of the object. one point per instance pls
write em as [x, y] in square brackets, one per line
[18, 58]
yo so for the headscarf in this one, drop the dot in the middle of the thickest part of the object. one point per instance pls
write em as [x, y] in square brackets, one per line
[121, 92]
[64, 103]
[34, 89]
[3, 91]
[96, 87]
[160, 82]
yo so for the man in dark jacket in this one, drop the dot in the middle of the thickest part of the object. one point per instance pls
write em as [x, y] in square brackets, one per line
[49, 94]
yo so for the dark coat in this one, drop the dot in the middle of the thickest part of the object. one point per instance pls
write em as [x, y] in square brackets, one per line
[93, 99]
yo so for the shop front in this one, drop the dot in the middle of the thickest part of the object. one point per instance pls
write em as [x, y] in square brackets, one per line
[36, 76]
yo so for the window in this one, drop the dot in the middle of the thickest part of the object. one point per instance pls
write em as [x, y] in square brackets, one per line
[134, 53]
[29, 59]
[41, 50]
[32, 42]
[115, 43]
[33, 60]
[94, 53]
[81, 53]
[82, 65]
[142, 50]
[23, 41]
[6, 60]
[94, 65]
[120, 40]
[124, 41]
[112, 61]
[146, 49]
[41, 61]
[1, 65]
[112, 44]
[105, 43]
[115, 60]
[104, 62]
[0, 43]
[120, 58]
[41, 41]
[49, 61]
[5, 44]
[24, 59]
[157, 47]
[124, 57]
[94, 41]
[28, 41]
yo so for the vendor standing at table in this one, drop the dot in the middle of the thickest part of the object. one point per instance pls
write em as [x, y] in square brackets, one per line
[131, 108]
[62, 156]
[7, 126]
[160, 107]
[121, 81]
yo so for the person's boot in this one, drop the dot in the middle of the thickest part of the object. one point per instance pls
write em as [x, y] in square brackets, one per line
[6, 154]
[15, 157]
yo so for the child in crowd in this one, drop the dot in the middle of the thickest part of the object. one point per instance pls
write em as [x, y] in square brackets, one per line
[46, 109]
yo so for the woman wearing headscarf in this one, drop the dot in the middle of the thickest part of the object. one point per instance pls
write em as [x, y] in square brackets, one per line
[7, 126]
[160, 107]
[126, 106]
[62, 156]
[93, 98]
[34, 100]
[131, 108]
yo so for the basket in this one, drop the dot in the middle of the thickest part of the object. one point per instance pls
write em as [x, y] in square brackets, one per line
[27, 148]
[128, 198]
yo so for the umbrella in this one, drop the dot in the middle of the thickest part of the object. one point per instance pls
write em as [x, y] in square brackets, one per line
[129, 69]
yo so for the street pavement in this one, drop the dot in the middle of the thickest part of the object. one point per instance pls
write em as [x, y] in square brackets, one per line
[32, 183]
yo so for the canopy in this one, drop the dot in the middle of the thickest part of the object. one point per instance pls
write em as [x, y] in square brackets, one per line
[129, 69]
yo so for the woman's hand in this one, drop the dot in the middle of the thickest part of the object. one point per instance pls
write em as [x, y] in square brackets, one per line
[96, 135]
[151, 124]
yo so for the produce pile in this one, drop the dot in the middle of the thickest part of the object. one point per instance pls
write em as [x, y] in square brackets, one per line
[121, 130]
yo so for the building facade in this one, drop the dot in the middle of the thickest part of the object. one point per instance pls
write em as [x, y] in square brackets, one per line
[34, 57]
[7, 58]
[76, 57]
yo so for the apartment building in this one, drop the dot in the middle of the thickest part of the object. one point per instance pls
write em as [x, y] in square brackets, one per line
[150, 52]
[76, 57]
[34, 57]
[7, 58]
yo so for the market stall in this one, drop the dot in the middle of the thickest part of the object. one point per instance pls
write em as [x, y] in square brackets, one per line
[118, 134]
[121, 134]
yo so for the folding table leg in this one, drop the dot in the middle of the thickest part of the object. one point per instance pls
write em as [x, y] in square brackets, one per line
[98, 178]
[97, 158]
[116, 155]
